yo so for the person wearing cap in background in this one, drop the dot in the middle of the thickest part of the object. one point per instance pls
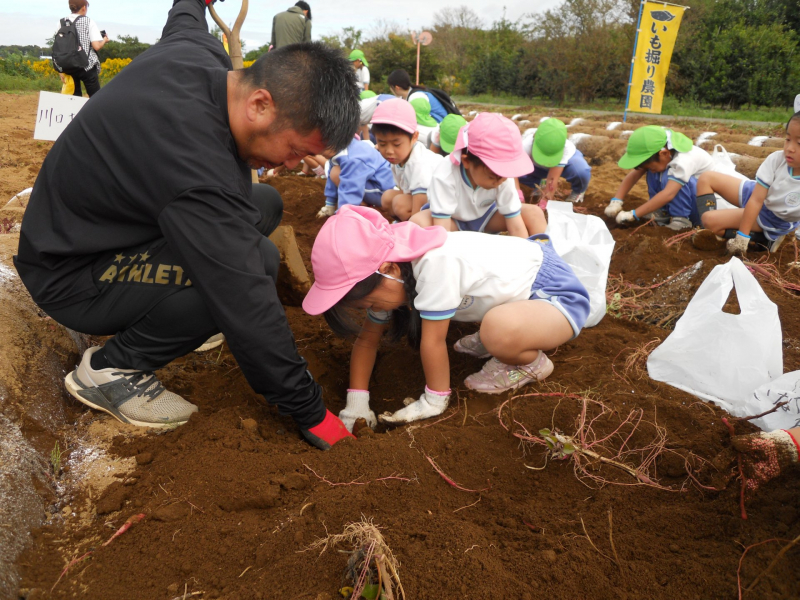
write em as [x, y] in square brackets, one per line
[394, 125]
[426, 124]
[672, 164]
[474, 188]
[357, 174]
[416, 280]
[554, 156]
[444, 138]
[291, 26]
[361, 66]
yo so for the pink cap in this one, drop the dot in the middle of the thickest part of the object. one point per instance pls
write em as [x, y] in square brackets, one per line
[353, 244]
[396, 112]
[497, 142]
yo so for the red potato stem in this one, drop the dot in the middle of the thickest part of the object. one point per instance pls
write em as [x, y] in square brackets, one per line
[132, 520]
[449, 480]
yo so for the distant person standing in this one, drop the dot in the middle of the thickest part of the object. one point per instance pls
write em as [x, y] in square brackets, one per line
[292, 26]
[361, 66]
[91, 40]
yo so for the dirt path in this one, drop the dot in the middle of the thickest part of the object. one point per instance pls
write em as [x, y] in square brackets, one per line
[232, 499]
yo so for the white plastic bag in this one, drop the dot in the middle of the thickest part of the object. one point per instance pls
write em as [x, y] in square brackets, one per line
[724, 164]
[785, 388]
[719, 356]
[585, 244]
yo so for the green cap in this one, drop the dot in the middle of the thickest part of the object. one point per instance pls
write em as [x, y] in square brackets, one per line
[423, 109]
[367, 94]
[646, 141]
[358, 55]
[549, 142]
[448, 131]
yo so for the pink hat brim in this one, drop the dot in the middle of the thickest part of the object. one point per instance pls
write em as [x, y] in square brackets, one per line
[519, 167]
[318, 300]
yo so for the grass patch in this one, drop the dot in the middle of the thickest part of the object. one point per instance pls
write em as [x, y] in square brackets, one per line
[18, 83]
[671, 107]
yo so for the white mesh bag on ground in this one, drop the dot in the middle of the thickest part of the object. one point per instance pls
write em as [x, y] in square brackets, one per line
[586, 245]
[720, 356]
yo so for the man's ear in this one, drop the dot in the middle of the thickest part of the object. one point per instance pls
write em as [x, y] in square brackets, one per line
[259, 106]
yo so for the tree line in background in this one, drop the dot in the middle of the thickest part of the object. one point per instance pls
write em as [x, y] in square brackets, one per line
[728, 53]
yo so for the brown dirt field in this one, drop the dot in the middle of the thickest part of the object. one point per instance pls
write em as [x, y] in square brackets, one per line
[233, 498]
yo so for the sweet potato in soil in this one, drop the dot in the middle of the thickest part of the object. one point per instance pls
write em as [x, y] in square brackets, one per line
[233, 497]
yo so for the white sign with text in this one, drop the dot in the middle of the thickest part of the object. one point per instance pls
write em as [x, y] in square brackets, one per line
[55, 112]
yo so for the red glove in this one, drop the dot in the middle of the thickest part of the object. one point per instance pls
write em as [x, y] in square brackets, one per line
[327, 433]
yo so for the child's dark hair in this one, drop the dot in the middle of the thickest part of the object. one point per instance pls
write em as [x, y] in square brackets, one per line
[386, 129]
[792, 118]
[672, 154]
[399, 78]
[473, 159]
[405, 320]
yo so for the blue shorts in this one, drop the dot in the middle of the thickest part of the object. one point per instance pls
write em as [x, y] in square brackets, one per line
[771, 224]
[557, 284]
[477, 225]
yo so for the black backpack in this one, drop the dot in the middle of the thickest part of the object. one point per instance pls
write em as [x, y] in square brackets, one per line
[68, 55]
[441, 96]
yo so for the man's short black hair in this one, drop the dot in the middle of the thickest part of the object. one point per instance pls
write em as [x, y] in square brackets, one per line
[303, 5]
[386, 129]
[399, 78]
[314, 88]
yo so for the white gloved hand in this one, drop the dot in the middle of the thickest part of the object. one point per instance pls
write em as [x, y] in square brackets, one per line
[626, 216]
[738, 245]
[430, 404]
[614, 207]
[357, 408]
[326, 211]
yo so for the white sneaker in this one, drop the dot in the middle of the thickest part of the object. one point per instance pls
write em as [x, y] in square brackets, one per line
[130, 396]
[215, 341]
[575, 198]
[472, 345]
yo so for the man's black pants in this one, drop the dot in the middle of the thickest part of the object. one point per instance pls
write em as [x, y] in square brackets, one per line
[90, 79]
[147, 300]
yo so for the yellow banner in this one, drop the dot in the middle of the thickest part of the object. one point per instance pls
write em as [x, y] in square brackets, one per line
[658, 30]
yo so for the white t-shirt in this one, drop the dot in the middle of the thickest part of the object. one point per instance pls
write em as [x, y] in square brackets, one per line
[414, 177]
[470, 274]
[362, 77]
[368, 106]
[569, 150]
[426, 135]
[452, 195]
[690, 164]
[783, 185]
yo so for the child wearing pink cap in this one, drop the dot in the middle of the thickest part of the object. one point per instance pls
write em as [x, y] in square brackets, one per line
[394, 125]
[415, 280]
[476, 190]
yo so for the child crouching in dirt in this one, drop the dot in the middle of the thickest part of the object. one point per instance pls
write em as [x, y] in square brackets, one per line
[671, 163]
[358, 174]
[769, 206]
[416, 280]
[394, 125]
[475, 190]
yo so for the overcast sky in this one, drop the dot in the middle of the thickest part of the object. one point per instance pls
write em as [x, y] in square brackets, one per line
[33, 21]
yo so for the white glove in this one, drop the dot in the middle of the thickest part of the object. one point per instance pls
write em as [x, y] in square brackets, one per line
[738, 245]
[326, 211]
[430, 404]
[357, 408]
[614, 207]
[626, 216]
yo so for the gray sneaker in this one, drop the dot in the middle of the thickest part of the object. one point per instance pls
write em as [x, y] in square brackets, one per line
[678, 223]
[472, 345]
[135, 397]
[575, 198]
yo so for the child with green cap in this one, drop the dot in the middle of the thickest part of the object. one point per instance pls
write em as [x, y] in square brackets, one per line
[672, 164]
[426, 124]
[554, 156]
[361, 65]
[444, 139]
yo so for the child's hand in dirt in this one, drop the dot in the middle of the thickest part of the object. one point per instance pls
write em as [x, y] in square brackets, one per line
[626, 216]
[357, 408]
[326, 211]
[614, 207]
[764, 456]
[738, 245]
[430, 404]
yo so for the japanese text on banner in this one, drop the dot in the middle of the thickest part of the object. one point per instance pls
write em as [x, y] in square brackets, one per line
[657, 33]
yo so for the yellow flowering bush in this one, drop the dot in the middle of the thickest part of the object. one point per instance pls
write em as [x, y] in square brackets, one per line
[112, 66]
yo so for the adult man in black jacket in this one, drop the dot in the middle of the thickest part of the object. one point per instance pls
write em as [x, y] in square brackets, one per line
[144, 223]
